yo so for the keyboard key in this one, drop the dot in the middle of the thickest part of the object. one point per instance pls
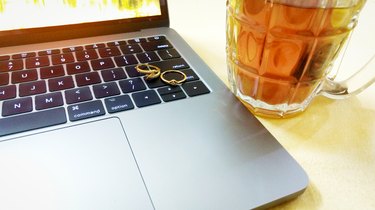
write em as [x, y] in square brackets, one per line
[37, 62]
[168, 54]
[132, 85]
[85, 110]
[109, 52]
[4, 79]
[48, 100]
[105, 63]
[79, 67]
[126, 60]
[147, 57]
[24, 76]
[24, 55]
[49, 52]
[17, 106]
[118, 104]
[172, 64]
[156, 45]
[137, 40]
[78, 95]
[86, 55]
[39, 120]
[132, 71]
[105, 90]
[87, 79]
[190, 75]
[156, 38]
[116, 43]
[52, 71]
[62, 58]
[60, 83]
[195, 88]
[32, 88]
[131, 48]
[95, 46]
[146, 98]
[155, 83]
[113, 74]
[72, 49]
[7, 92]
[12, 65]
[171, 93]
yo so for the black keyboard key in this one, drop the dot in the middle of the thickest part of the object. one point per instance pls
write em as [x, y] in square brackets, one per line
[86, 55]
[137, 40]
[7, 92]
[131, 48]
[95, 46]
[190, 75]
[126, 60]
[85, 110]
[171, 93]
[32, 88]
[32, 121]
[195, 88]
[156, 45]
[4, 57]
[156, 38]
[87, 79]
[116, 43]
[113, 74]
[105, 63]
[60, 83]
[146, 98]
[12, 65]
[168, 54]
[62, 58]
[118, 104]
[155, 83]
[37, 62]
[24, 76]
[48, 100]
[148, 57]
[4, 79]
[109, 52]
[132, 85]
[78, 95]
[52, 71]
[172, 64]
[72, 49]
[79, 67]
[49, 52]
[17, 106]
[106, 90]
[132, 71]
[24, 55]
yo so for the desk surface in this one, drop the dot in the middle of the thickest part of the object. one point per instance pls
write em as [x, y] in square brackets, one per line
[333, 140]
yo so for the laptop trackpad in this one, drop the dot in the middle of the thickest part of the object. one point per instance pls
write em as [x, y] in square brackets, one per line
[89, 166]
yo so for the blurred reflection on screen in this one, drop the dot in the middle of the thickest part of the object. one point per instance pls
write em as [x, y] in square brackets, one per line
[18, 14]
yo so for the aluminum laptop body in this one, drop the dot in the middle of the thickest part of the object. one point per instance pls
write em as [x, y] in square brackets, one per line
[199, 152]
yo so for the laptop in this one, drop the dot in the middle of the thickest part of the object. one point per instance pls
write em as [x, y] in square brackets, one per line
[82, 128]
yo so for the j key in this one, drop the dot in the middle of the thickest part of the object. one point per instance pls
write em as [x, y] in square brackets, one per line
[109, 52]
[116, 43]
[24, 55]
[62, 58]
[39, 119]
[175, 64]
[37, 62]
[105, 90]
[132, 85]
[17, 106]
[12, 65]
[52, 71]
[7, 92]
[48, 100]
[126, 60]
[104, 63]
[4, 57]
[156, 45]
[85, 110]
[88, 79]
[60, 83]
[78, 95]
[32, 88]
[24, 76]
[195, 88]
[118, 103]
[147, 57]
[76, 68]
[146, 98]
[113, 74]
[4, 79]
[49, 52]
[86, 55]
[95, 46]
[131, 48]
[72, 49]
[168, 54]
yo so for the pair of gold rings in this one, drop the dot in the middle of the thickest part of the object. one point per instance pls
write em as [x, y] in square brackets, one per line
[168, 76]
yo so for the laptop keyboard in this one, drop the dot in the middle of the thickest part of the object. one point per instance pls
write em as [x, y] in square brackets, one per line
[51, 87]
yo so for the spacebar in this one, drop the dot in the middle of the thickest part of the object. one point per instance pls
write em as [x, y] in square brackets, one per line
[32, 121]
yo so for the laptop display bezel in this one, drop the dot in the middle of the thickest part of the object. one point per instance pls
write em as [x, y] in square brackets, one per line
[56, 33]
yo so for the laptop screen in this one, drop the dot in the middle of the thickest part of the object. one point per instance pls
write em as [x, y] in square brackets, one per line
[31, 21]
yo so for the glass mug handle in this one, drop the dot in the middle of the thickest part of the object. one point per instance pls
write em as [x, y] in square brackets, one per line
[351, 86]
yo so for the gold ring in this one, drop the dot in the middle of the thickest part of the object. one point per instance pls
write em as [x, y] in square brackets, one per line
[173, 82]
[151, 72]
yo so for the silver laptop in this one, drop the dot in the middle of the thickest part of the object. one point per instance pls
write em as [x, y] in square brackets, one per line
[81, 128]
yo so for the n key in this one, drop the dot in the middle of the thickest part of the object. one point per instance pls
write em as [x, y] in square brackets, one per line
[17, 106]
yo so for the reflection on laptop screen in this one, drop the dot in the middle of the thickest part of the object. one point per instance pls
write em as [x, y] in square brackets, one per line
[22, 14]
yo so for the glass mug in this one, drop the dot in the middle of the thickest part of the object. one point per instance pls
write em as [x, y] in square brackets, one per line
[280, 52]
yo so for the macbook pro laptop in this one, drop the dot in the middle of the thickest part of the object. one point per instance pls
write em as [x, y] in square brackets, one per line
[81, 128]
